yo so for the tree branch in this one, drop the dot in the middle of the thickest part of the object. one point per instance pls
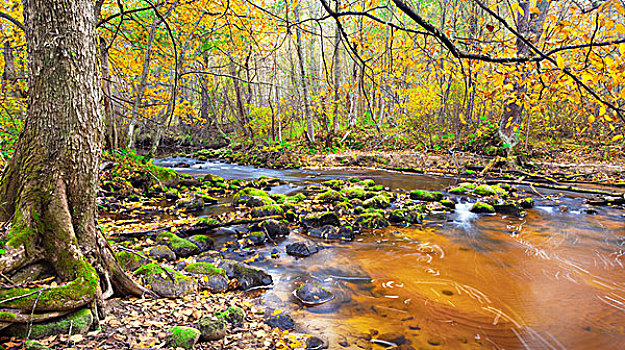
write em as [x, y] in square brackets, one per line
[17, 23]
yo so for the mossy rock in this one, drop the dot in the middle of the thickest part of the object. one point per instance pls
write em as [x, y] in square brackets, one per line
[367, 183]
[212, 329]
[279, 198]
[526, 203]
[267, 210]
[321, 219]
[184, 337]
[426, 196]
[244, 194]
[203, 242]
[356, 193]
[296, 198]
[488, 191]
[448, 203]
[130, 261]
[481, 208]
[377, 202]
[330, 196]
[165, 281]
[208, 200]
[34, 345]
[162, 252]
[371, 220]
[463, 188]
[233, 315]
[353, 180]
[334, 184]
[209, 221]
[182, 247]
[79, 321]
[204, 268]
[409, 216]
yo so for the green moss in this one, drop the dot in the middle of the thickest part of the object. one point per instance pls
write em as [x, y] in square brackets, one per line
[481, 207]
[426, 196]
[371, 220]
[367, 183]
[353, 180]
[334, 184]
[296, 198]
[330, 196]
[204, 268]
[79, 321]
[448, 203]
[249, 192]
[355, 192]
[184, 337]
[379, 202]
[148, 271]
[233, 315]
[279, 198]
[7, 316]
[175, 241]
[129, 261]
[463, 188]
[526, 203]
[209, 221]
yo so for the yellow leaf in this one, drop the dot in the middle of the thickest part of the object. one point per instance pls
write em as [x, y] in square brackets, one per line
[560, 62]
[535, 10]
[462, 119]
[620, 28]
[591, 119]
[617, 138]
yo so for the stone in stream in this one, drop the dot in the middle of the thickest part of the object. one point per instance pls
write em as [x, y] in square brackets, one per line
[193, 204]
[247, 277]
[481, 207]
[267, 210]
[275, 228]
[302, 249]
[182, 247]
[426, 196]
[508, 207]
[203, 242]
[315, 343]
[330, 232]
[311, 294]
[279, 319]
[162, 252]
[321, 219]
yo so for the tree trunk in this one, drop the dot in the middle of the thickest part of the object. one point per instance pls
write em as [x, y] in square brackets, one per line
[49, 187]
[310, 129]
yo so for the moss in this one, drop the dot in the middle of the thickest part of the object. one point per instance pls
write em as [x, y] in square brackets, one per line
[79, 322]
[481, 207]
[334, 184]
[7, 316]
[208, 200]
[448, 203]
[184, 337]
[463, 188]
[426, 196]
[34, 345]
[233, 315]
[296, 198]
[209, 221]
[355, 192]
[267, 210]
[175, 241]
[204, 268]
[353, 180]
[526, 203]
[488, 190]
[148, 271]
[330, 196]
[367, 183]
[372, 220]
[129, 261]
[279, 198]
[379, 202]
[249, 192]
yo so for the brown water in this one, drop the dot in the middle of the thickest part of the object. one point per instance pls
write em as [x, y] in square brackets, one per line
[550, 280]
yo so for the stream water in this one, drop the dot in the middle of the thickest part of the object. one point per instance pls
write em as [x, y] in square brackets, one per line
[554, 279]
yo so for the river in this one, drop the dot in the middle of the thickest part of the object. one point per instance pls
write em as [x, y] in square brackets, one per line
[553, 279]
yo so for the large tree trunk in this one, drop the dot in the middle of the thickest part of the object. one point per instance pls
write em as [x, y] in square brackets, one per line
[49, 188]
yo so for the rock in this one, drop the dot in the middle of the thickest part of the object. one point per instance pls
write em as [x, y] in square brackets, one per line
[426, 196]
[488, 190]
[166, 282]
[371, 220]
[203, 242]
[183, 337]
[233, 315]
[481, 207]
[247, 277]
[394, 338]
[463, 188]
[267, 210]
[162, 252]
[448, 203]
[193, 204]
[311, 294]
[131, 261]
[377, 202]
[212, 328]
[255, 238]
[409, 215]
[252, 197]
[321, 219]
[275, 228]
[34, 345]
[328, 232]
[214, 283]
[526, 203]
[591, 211]
[508, 207]
[79, 322]
[314, 343]
[181, 165]
[279, 319]
[330, 196]
[302, 249]
[182, 247]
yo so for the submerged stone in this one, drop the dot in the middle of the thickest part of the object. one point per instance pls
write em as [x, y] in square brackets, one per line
[302, 249]
[247, 277]
[329, 232]
[279, 319]
[311, 294]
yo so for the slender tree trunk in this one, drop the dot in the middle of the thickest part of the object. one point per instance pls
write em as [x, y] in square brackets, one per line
[49, 187]
[110, 117]
[310, 131]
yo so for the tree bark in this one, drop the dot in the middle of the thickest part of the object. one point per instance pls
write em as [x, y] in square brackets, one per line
[49, 187]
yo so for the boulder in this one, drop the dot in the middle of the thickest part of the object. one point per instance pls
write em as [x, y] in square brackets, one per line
[162, 252]
[183, 337]
[212, 328]
[329, 232]
[279, 319]
[321, 219]
[311, 294]
[302, 249]
[165, 281]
